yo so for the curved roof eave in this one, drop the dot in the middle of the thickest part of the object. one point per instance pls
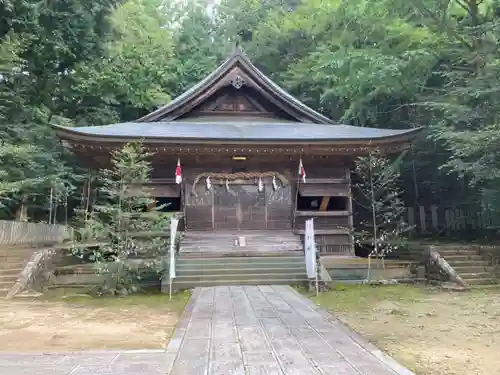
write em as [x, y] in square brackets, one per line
[71, 134]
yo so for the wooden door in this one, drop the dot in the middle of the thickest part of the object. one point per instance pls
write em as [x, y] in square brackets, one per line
[279, 209]
[240, 207]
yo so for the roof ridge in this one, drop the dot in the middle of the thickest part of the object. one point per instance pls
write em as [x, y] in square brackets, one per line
[237, 50]
[299, 110]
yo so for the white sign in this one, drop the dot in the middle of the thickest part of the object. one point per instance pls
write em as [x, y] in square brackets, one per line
[174, 222]
[310, 250]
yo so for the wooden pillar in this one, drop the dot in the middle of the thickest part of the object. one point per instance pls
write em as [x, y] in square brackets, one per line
[349, 207]
[411, 216]
[213, 208]
[87, 188]
[423, 221]
[434, 217]
[184, 196]
[265, 205]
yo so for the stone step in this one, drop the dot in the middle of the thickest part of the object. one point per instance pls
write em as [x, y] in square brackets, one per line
[475, 275]
[67, 286]
[452, 258]
[8, 278]
[275, 258]
[468, 263]
[25, 250]
[12, 265]
[11, 260]
[240, 254]
[244, 261]
[242, 277]
[10, 252]
[242, 271]
[6, 284]
[179, 285]
[10, 271]
[17, 258]
[240, 267]
[444, 247]
[247, 247]
[231, 244]
[248, 242]
[449, 252]
[4, 291]
[481, 281]
[261, 238]
[472, 269]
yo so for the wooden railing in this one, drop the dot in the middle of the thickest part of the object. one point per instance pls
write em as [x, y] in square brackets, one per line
[24, 233]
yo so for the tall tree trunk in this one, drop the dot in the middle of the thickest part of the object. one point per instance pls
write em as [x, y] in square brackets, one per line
[22, 212]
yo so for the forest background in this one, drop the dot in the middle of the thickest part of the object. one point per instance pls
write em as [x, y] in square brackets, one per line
[379, 63]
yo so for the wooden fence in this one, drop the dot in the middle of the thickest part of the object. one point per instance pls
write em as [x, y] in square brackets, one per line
[24, 233]
[452, 220]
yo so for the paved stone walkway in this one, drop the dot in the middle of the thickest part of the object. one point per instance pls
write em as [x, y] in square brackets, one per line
[254, 330]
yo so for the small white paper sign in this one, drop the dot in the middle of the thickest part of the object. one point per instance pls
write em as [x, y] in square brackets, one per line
[242, 240]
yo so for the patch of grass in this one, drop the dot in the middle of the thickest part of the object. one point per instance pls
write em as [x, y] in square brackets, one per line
[347, 298]
[154, 300]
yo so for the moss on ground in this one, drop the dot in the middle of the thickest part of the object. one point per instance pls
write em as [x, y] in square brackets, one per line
[150, 300]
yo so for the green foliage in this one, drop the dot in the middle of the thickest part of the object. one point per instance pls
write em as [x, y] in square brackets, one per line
[384, 63]
[40, 47]
[380, 205]
[198, 47]
[135, 76]
[122, 221]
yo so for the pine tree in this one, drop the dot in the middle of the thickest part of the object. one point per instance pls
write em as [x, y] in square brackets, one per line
[124, 220]
[382, 209]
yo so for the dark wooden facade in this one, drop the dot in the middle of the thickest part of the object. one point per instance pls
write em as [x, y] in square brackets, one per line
[240, 206]
[239, 113]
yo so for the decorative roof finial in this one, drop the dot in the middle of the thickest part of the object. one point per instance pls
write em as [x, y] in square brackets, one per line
[237, 50]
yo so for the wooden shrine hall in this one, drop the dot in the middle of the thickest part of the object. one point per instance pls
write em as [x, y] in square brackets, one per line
[254, 159]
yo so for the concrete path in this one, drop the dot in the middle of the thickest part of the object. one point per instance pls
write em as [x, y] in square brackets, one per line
[254, 330]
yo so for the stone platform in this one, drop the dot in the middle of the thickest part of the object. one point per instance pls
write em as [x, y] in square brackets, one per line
[258, 330]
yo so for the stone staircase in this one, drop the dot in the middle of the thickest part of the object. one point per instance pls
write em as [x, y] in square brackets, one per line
[468, 263]
[212, 258]
[192, 272]
[12, 262]
[257, 243]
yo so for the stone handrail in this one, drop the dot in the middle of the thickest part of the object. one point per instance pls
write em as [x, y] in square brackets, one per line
[24, 233]
[33, 274]
[436, 259]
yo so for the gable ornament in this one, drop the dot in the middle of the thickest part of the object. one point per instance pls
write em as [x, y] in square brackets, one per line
[237, 82]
